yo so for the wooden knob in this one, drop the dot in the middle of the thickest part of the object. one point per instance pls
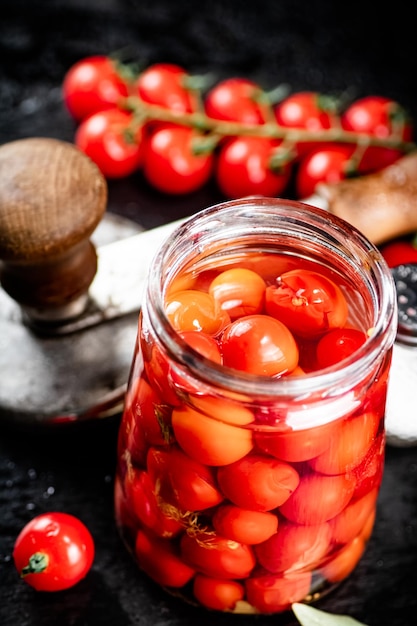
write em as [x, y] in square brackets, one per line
[52, 196]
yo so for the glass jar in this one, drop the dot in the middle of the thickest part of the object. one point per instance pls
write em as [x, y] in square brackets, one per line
[251, 446]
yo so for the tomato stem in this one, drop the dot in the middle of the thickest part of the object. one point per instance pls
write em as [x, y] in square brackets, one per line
[37, 564]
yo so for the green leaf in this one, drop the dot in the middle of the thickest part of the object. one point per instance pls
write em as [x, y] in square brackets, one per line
[309, 616]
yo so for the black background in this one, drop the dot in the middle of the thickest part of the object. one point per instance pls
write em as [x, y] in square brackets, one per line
[352, 48]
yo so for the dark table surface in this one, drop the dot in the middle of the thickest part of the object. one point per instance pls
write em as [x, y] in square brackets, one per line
[356, 49]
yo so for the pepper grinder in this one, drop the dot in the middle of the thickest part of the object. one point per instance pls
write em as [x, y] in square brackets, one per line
[52, 197]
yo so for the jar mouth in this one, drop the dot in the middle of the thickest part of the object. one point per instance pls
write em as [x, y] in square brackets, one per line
[230, 222]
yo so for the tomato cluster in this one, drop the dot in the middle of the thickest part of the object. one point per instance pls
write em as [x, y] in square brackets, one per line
[163, 123]
[220, 499]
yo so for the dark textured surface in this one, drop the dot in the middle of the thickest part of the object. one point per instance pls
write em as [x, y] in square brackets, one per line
[317, 45]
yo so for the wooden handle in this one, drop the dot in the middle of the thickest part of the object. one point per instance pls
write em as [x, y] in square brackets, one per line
[52, 197]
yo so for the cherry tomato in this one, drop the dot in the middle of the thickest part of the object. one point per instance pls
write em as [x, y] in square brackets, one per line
[165, 84]
[344, 562]
[216, 593]
[310, 111]
[258, 482]
[338, 344]
[237, 100]
[244, 525]
[353, 519]
[239, 291]
[203, 343]
[307, 302]
[400, 251]
[210, 441]
[296, 445]
[318, 498]
[379, 117]
[294, 547]
[172, 161]
[190, 309]
[323, 165]
[54, 551]
[108, 138]
[260, 345]
[245, 166]
[93, 84]
[161, 561]
[216, 556]
[270, 593]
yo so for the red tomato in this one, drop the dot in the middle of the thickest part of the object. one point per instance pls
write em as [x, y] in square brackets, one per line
[161, 561]
[150, 418]
[203, 343]
[216, 593]
[54, 551]
[108, 138]
[237, 100]
[165, 84]
[245, 167]
[318, 498]
[258, 482]
[379, 117]
[369, 472]
[338, 344]
[217, 557]
[344, 562]
[244, 525]
[208, 440]
[323, 165]
[93, 84]
[187, 482]
[307, 110]
[190, 309]
[399, 252]
[260, 345]
[294, 547]
[353, 519]
[239, 291]
[348, 449]
[172, 162]
[307, 302]
[269, 593]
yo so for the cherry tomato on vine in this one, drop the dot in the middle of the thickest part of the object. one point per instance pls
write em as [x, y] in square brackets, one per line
[54, 551]
[380, 117]
[237, 100]
[111, 139]
[260, 345]
[252, 166]
[93, 84]
[338, 344]
[324, 165]
[307, 302]
[167, 85]
[173, 162]
[399, 252]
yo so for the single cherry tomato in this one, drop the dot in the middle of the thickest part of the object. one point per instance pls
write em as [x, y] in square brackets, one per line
[244, 525]
[318, 498]
[270, 593]
[248, 166]
[260, 345]
[344, 562]
[190, 310]
[296, 445]
[353, 519]
[294, 547]
[203, 343]
[173, 161]
[208, 440]
[54, 551]
[400, 251]
[239, 291]
[167, 85]
[338, 344]
[216, 593]
[307, 302]
[112, 141]
[308, 110]
[217, 557]
[238, 100]
[324, 165]
[93, 84]
[379, 117]
[161, 561]
[258, 482]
